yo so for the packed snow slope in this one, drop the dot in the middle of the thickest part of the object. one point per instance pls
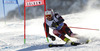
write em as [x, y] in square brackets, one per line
[12, 33]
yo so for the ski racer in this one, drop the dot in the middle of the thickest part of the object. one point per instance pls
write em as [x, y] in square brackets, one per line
[60, 29]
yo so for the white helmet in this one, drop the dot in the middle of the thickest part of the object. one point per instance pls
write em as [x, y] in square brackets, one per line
[49, 12]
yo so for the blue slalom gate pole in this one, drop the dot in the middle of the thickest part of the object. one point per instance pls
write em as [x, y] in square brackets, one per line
[19, 9]
[4, 11]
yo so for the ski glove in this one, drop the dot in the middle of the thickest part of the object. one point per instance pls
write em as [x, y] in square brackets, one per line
[52, 38]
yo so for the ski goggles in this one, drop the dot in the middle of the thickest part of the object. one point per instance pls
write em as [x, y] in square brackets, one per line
[48, 16]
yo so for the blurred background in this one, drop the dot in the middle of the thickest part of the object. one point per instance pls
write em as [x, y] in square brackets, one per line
[61, 6]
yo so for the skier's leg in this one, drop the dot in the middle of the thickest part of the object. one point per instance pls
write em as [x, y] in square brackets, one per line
[60, 35]
[66, 30]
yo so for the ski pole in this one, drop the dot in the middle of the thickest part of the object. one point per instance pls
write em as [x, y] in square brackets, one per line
[84, 28]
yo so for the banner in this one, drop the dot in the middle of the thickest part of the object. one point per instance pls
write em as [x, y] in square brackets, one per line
[29, 3]
[10, 2]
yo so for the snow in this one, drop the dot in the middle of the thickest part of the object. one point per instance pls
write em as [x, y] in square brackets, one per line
[12, 33]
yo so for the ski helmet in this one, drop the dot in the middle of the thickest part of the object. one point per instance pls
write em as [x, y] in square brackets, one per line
[49, 12]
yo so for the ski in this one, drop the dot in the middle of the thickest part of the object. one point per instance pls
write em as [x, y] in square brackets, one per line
[56, 45]
[61, 45]
[72, 44]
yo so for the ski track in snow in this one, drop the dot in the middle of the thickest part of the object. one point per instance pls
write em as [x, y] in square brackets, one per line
[12, 34]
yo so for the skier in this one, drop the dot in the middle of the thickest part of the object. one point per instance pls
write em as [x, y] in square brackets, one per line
[60, 29]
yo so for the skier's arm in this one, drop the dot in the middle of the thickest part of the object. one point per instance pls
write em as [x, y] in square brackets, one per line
[47, 31]
[46, 28]
[59, 18]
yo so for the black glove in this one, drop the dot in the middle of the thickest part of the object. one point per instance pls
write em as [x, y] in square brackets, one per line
[52, 38]
[54, 24]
